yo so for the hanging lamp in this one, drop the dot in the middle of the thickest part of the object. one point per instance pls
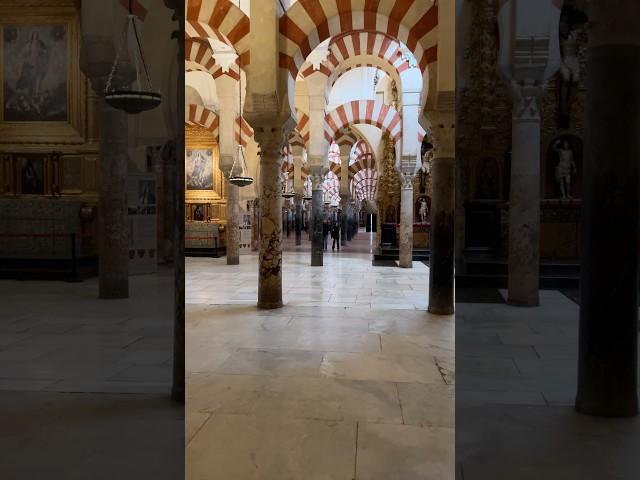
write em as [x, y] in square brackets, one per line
[238, 174]
[139, 95]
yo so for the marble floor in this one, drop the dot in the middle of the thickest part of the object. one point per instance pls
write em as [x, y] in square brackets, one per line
[351, 379]
[85, 383]
[516, 371]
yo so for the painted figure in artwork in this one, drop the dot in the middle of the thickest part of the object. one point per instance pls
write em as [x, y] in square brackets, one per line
[34, 66]
[565, 168]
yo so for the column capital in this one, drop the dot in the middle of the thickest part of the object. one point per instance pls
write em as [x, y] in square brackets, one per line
[407, 180]
[443, 131]
[316, 173]
[271, 140]
[526, 96]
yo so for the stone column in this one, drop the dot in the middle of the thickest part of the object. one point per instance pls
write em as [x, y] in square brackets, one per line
[349, 215]
[441, 259]
[317, 214]
[255, 227]
[608, 363]
[298, 204]
[344, 221]
[113, 229]
[233, 224]
[406, 221]
[524, 201]
[270, 273]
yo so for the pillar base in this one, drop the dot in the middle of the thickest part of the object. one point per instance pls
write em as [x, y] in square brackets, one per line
[114, 295]
[596, 409]
[523, 303]
[402, 265]
[269, 305]
[233, 261]
[441, 310]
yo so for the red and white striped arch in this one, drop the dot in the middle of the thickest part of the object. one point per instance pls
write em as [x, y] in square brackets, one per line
[331, 186]
[307, 23]
[247, 131]
[362, 148]
[364, 162]
[198, 56]
[365, 185]
[220, 19]
[203, 117]
[303, 126]
[370, 112]
[357, 49]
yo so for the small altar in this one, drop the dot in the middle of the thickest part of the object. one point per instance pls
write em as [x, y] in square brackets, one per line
[391, 235]
[203, 239]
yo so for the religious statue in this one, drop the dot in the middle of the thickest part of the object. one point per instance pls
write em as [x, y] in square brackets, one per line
[570, 68]
[565, 168]
[424, 210]
[424, 171]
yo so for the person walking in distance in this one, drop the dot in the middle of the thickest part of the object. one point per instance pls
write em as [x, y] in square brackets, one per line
[335, 235]
[325, 233]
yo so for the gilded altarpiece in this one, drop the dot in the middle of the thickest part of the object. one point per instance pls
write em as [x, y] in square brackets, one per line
[483, 143]
[205, 192]
[48, 135]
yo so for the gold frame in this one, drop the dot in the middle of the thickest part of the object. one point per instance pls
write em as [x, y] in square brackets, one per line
[198, 138]
[73, 130]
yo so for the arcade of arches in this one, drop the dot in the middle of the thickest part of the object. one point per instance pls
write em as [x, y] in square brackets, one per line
[344, 240]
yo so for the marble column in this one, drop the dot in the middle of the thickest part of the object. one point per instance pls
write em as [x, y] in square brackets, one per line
[270, 268]
[113, 228]
[608, 344]
[317, 214]
[233, 224]
[441, 258]
[524, 199]
[255, 226]
[349, 214]
[344, 221]
[298, 204]
[406, 221]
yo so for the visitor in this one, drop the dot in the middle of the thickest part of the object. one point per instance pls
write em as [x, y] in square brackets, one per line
[325, 234]
[335, 235]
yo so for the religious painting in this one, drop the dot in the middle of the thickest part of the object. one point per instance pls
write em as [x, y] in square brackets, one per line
[563, 168]
[199, 212]
[35, 73]
[32, 173]
[199, 169]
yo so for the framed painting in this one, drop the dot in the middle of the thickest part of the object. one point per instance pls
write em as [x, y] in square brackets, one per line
[35, 82]
[199, 169]
[32, 173]
[42, 91]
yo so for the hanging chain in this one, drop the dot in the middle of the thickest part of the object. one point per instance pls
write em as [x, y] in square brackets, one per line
[130, 23]
[115, 63]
